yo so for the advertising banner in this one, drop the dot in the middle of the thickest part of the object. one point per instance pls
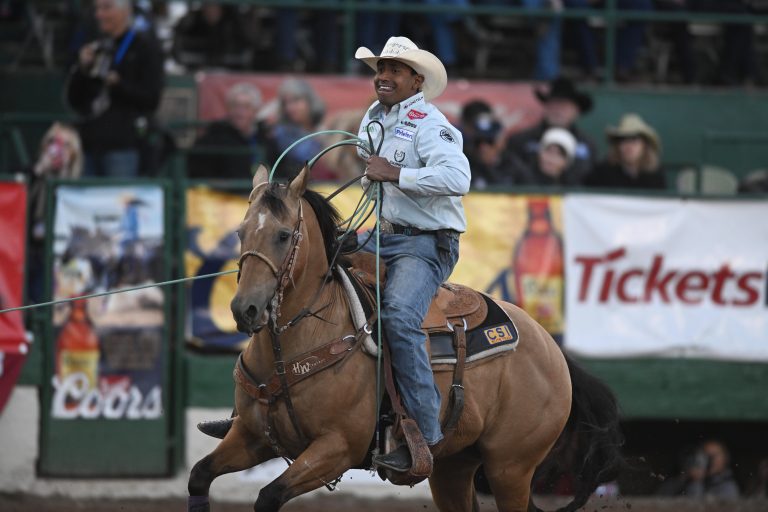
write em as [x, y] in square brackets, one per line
[108, 351]
[13, 342]
[212, 246]
[666, 277]
[512, 250]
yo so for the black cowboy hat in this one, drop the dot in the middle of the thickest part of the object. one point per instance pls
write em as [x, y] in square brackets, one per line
[563, 88]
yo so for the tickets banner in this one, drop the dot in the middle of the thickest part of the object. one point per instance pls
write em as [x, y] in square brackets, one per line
[663, 277]
[109, 352]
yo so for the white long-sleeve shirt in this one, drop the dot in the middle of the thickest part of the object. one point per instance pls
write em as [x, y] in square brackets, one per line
[434, 173]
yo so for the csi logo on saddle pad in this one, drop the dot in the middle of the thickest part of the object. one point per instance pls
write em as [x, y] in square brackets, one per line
[496, 334]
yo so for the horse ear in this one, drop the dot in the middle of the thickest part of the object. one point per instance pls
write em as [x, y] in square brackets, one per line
[261, 176]
[299, 183]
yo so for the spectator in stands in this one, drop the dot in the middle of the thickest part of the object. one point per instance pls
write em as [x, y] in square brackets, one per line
[563, 105]
[238, 136]
[375, 27]
[60, 157]
[321, 52]
[681, 37]
[468, 122]
[738, 60]
[115, 88]
[548, 40]
[633, 157]
[443, 36]
[706, 472]
[629, 38]
[553, 165]
[212, 35]
[301, 113]
[490, 164]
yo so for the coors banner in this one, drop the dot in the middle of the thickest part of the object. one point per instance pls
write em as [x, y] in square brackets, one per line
[108, 351]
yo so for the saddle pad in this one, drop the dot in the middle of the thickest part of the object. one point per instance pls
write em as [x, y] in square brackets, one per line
[496, 334]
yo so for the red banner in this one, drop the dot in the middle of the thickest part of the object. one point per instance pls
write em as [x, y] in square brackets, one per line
[346, 98]
[13, 344]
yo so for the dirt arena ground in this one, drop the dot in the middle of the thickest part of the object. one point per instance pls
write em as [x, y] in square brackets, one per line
[26, 503]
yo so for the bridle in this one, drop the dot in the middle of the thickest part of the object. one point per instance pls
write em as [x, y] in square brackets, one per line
[284, 274]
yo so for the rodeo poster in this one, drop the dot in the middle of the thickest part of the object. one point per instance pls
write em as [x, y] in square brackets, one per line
[108, 351]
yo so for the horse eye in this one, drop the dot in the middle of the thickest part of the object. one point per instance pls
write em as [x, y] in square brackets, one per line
[283, 236]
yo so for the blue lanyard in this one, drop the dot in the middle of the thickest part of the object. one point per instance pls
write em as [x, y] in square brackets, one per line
[124, 46]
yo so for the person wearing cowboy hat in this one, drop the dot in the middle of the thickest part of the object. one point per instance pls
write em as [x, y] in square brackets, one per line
[423, 173]
[563, 105]
[633, 157]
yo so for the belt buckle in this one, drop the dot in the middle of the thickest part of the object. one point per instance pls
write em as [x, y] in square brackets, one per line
[385, 227]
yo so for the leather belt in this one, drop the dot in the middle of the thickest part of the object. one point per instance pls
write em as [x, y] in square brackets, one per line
[389, 228]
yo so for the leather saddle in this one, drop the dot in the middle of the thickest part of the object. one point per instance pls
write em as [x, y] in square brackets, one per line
[453, 304]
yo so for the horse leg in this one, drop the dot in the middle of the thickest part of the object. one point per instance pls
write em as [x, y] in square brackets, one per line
[322, 462]
[510, 483]
[452, 484]
[239, 450]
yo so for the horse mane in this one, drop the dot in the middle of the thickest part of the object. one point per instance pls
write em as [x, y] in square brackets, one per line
[328, 217]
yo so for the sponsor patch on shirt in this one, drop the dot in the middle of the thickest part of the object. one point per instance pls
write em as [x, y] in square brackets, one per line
[408, 123]
[446, 136]
[399, 155]
[415, 114]
[402, 133]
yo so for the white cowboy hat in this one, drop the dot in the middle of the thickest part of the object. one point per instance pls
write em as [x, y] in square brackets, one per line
[404, 50]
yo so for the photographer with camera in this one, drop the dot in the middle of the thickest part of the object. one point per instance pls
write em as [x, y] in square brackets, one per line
[706, 472]
[115, 87]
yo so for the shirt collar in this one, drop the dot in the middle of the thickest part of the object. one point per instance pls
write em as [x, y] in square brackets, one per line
[402, 108]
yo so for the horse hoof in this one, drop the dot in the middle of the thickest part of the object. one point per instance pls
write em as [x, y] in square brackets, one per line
[198, 504]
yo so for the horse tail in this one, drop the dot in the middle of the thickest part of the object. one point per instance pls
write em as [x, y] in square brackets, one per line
[589, 446]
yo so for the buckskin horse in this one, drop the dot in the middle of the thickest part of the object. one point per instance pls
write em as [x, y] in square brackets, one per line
[521, 407]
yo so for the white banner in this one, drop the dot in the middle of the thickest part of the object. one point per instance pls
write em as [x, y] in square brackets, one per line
[666, 277]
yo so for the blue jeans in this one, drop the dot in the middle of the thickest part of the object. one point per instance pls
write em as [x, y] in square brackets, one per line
[415, 270]
[113, 164]
[547, 44]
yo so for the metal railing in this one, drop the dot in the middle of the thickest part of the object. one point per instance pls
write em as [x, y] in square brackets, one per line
[610, 15]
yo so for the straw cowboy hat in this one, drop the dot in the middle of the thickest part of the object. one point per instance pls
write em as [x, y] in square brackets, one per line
[404, 50]
[632, 125]
[562, 88]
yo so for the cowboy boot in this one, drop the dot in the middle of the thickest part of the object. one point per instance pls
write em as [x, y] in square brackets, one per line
[400, 459]
[216, 428]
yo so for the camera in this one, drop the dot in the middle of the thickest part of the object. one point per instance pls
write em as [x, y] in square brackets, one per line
[102, 58]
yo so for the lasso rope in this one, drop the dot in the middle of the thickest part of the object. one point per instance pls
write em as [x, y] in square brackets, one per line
[120, 290]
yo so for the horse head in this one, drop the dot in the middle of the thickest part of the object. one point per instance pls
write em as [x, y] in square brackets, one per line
[269, 241]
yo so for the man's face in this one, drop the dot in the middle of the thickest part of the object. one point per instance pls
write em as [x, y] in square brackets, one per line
[395, 82]
[242, 113]
[112, 17]
[560, 112]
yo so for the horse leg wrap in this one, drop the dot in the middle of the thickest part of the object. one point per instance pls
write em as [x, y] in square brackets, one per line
[198, 504]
